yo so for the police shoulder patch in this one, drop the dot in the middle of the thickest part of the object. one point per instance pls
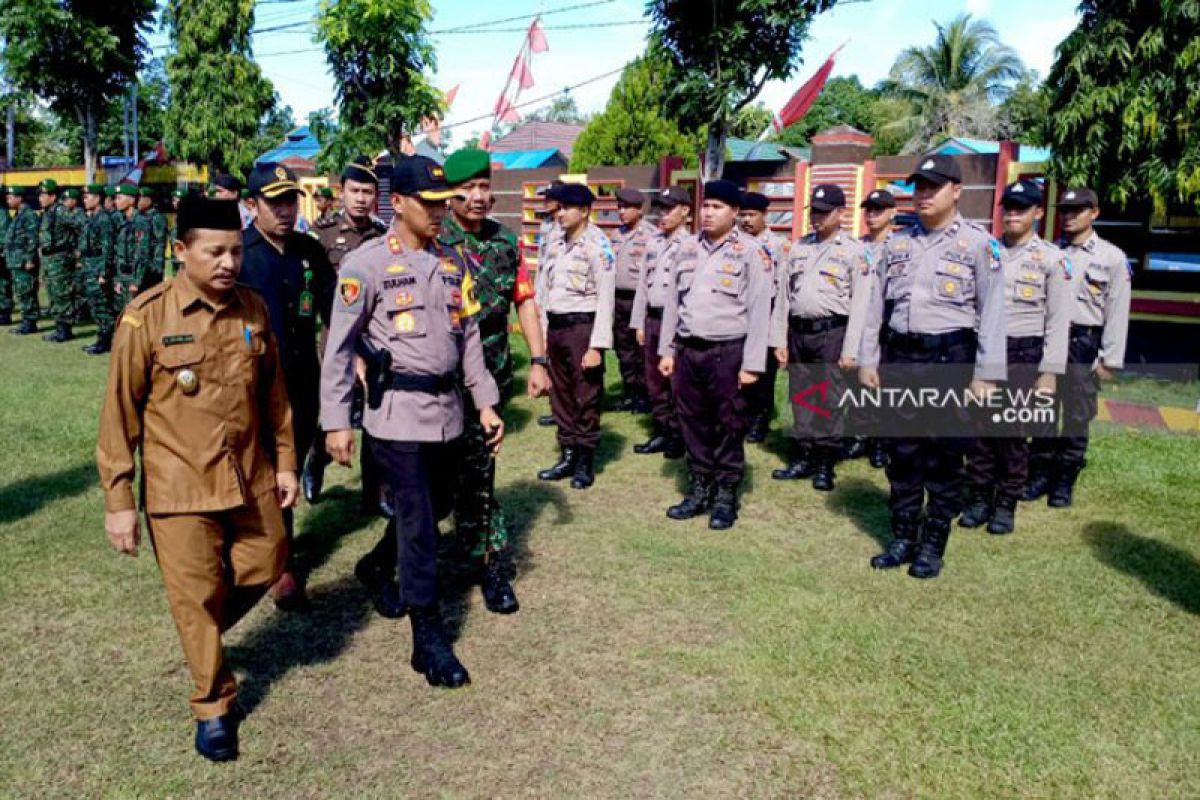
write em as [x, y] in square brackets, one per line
[349, 291]
[1067, 268]
[994, 246]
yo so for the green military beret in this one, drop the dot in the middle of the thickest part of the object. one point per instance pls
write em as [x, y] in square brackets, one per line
[16, 190]
[72, 193]
[95, 188]
[325, 192]
[49, 186]
[466, 165]
[244, 194]
[179, 193]
[126, 189]
[110, 191]
[146, 191]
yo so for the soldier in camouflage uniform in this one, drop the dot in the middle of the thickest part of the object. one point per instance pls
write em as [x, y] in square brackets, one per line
[20, 253]
[96, 242]
[173, 233]
[70, 201]
[6, 300]
[498, 281]
[57, 236]
[134, 249]
[158, 230]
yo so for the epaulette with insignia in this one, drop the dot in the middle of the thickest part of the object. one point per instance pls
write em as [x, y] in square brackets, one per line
[144, 298]
[394, 244]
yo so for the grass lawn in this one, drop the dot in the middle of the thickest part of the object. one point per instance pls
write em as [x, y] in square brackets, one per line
[650, 658]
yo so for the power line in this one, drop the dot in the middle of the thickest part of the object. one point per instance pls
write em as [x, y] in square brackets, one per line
[537, 100]
[563, 10]
[547, 28]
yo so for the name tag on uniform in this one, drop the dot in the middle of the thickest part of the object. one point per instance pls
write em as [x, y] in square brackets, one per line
[178, 338]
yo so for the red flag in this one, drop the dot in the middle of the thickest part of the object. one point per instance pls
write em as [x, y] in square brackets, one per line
[505, 111]
[521, 72]
[805, 96]
[537, 39]
[485, 140]
[450, 95]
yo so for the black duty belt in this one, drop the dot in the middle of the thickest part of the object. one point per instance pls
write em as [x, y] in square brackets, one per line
[556, 321]
[1086, 330]
[433, 384]
[818, 325]
[931, 341]
[653, 313]
[1025, 341]
[626, 294]
[696, 343]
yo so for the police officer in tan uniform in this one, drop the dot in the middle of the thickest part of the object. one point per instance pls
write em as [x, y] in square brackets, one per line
[817, 327]
[548, 231]
[674, 207]
[938, 294]
[630, 243]
[879, 214]
[195, 384]
[716, 325]
[397, 295]
[577, 283]
[1102, 293]
[1037, 286]
[753, 220]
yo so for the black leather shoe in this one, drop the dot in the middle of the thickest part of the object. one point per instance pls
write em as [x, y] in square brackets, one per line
[563, 469]
[584, 474]
[1004, 520]
[1037, 486]
[823, 478]
[903, 547]
[311, 482]
[697, 502]
[725, 507]
[381, 588]
[798, 469]
[928, 563]
[978, 512]
[757, 434]
[877, 454]
[216, 738]
[432, 655]
[26, 327]
[856, 447]
[655, 444]
[546, 420]
[498, 594]
[675, 448]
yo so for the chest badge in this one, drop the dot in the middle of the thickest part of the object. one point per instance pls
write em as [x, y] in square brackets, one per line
[405, 323]
[396, 269]
[188, 383]
[449, 266]
[1027, 292]
[727, 282]
[404, 299]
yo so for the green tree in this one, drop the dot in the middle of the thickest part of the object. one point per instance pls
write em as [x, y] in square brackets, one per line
[1025, 113]
[751, 121]
[152, 96]
[75, 55]
[1125, 97]
[37, 135]
[379, 53]
[955, 83]
[634, 127]
[561, 109]
[722, 54]
[843, 101]
[219, 96]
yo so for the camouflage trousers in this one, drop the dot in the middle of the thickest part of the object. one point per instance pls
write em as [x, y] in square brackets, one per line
[25, 285]
[60, 285]
[6, 293]
[98, 297]
[120, 294]
[83, 302]
[478, 518]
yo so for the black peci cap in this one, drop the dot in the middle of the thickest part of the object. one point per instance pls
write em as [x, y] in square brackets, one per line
[723, 191]
[200, 212]
[575, 194]
[937, 168]
[630, 197]
[755, 201]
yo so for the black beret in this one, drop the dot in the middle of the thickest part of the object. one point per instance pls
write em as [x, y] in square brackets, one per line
[575, 194]
[360, 169]
[723, 191]
[201, 212]
[755, 201]
[630, 197]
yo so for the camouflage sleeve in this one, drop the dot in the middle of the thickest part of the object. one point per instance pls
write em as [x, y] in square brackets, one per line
[26, 238]
[143, 259]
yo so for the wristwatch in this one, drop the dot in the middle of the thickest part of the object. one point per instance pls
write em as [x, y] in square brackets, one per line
[539, 361]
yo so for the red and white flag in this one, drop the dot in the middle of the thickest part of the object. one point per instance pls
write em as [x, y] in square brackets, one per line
[521, 72]
[537, 38]
[805, 96]
[505, 111]
[485, 140]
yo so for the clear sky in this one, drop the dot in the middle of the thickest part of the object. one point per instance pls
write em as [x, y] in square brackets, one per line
[598, 41]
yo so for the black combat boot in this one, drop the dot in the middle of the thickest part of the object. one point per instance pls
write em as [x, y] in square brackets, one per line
[877, 454]
[584, 474]
[5, 318]
[799, 467]
[432, 655]
[381, 586]
[1062, 487]
[1037, 485]
[217, 738]
[498, 594]
[697, 501]
[655, 444]
[725, 506]
[903, 546]
[26, 327]
[855, 447]
[823, 476]
[934, 535]
[563, 469]
[1004, 520]
[102, 345]
[546, 420]
[759, 429]
[641, 405]
[675, 448]
[61, 333]
[978, 511]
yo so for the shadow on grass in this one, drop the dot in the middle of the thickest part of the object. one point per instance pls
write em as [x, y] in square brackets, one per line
[29, 495]
[864, 504]
[516, 419]
[324, 526]
[458, 573]
[1166, 570]
[286, 641]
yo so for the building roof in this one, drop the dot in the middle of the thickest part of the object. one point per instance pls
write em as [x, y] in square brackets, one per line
[299, 145]
[538, 136]
[529, 159]
[750, 150]
[962, 145]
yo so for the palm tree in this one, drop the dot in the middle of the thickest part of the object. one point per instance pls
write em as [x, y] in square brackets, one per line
[953, 85]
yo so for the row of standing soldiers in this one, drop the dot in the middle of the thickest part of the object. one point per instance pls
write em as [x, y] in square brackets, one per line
[94, 248]
[701, 323]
